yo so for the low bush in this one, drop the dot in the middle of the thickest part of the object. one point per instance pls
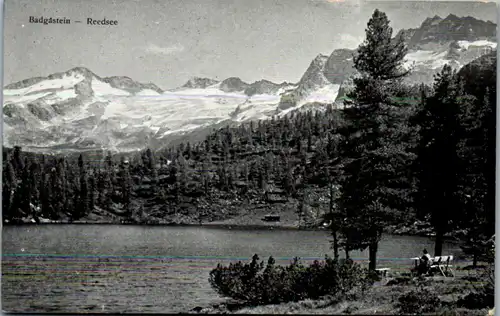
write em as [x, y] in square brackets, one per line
[399, 281]
[274, 284]
[483, 294]
[475, 301]
[350, 309]
[418, 301]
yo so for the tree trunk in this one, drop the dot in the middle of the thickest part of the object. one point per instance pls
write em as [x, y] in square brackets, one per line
[372, 250]
[347, 254]
[474, 259]
[334, 229]
[335, 246]
[438, 247]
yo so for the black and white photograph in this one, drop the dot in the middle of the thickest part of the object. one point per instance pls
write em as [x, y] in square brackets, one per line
[249, 157]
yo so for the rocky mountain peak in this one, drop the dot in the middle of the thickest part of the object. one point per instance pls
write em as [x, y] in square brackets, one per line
[233, 84]
[319, 60]
[451, 28]
[432, 21]
[199, 83]
[314, 73]
[313, 78]
[452, 17]
[128, 84]
[80, 71]
[263, 87]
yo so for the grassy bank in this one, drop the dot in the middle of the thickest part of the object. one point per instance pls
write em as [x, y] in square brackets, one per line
[383, 297]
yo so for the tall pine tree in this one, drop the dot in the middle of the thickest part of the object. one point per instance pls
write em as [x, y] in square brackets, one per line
[82, 195]
[373, 190]
[126, 187]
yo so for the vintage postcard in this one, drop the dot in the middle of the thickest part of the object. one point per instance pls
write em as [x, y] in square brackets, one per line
[249, 156]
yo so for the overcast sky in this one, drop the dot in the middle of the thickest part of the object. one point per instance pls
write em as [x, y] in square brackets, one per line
[168, 41]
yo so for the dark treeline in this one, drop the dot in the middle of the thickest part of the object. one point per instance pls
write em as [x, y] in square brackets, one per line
[284, 155]
[397, 153]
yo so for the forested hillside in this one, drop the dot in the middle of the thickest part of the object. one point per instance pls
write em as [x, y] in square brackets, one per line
[261, 164]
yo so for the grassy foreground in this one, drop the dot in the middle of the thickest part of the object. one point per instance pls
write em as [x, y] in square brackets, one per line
[382, 297]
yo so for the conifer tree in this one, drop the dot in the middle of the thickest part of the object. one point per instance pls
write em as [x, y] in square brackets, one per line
[438, 163]
[205, 177]
[9, 184]
[126, 186]
[108, 182]
[25, 188]
[371, 188]
[92, 191]
[477, 176]
[82, 194]
[17, 161]
[44, 191]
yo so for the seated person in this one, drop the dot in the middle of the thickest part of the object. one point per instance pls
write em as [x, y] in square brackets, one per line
[425, 263]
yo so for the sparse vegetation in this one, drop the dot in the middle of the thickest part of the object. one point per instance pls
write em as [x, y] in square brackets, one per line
[256, 284]
[483, 294]
[418, 301]
[387, 296]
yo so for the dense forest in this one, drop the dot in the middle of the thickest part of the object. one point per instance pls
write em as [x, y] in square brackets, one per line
[395, 153]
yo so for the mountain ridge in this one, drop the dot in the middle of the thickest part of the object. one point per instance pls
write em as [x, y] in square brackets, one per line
[120, 82]
[451, 28]
[79, 109]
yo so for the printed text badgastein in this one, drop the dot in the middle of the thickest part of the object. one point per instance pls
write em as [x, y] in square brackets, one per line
[46, 21]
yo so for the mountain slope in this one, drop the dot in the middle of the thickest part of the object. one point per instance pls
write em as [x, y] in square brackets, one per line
[314, 86]
[78, 110]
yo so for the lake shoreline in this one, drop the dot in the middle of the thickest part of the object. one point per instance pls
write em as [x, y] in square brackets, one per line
[204, 225]
[219, 225]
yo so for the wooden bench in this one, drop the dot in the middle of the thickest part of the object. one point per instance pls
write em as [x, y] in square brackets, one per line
[383, 271]
[439, 264]
[442, 264]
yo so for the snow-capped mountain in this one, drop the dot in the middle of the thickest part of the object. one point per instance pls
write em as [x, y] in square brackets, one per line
[437, 42]
[452, 28]
[235, 84]
[314, 86]
[79, 110]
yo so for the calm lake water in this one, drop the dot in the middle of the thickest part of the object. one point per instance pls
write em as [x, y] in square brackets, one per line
[151, 269]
